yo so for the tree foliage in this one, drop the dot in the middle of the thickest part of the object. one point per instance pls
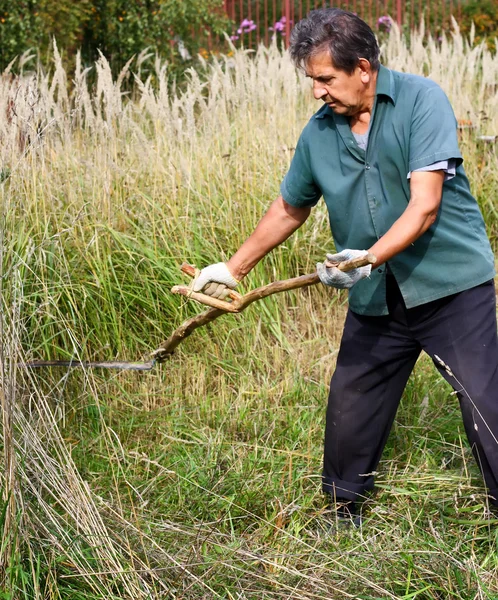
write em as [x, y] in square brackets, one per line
[484, 15]
[117, 28]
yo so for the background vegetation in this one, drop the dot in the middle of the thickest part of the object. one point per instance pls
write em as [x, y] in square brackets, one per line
[178, 30]
[117, 28]
[201, 479]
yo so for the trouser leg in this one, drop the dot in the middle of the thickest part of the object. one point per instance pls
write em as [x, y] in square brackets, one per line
[375, 360]
[464, 336]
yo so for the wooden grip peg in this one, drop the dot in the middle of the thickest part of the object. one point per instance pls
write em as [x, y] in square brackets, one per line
[353, 263]
[204, 298]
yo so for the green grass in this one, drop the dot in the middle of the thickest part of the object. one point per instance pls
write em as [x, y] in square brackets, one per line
[235, 494]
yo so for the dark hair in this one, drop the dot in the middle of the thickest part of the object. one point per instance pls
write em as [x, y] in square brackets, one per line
[347, 38]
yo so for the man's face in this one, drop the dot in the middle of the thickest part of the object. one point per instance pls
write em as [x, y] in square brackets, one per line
[345, 94]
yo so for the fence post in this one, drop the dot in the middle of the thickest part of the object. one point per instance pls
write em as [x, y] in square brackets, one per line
[399, 16]
[287, 23]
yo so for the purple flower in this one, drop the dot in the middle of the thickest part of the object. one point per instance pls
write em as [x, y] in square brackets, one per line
[384, 23]
[279, 26]
[234, 37]
[246, 26]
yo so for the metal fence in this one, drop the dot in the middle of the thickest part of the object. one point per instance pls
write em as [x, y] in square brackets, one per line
[259, 20]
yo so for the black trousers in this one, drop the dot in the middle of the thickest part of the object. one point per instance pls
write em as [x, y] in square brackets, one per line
[376, 357]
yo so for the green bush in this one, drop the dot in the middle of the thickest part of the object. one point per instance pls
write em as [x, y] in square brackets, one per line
[20, 28]
[484, 15]
[118, 28]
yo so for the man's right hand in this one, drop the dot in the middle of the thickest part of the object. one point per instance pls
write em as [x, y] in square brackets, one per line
[215, 280]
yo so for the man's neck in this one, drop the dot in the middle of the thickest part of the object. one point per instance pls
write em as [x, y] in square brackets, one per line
[360, 122]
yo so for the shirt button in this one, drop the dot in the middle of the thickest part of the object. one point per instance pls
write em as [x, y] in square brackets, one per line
[367, 167]
[380, 270]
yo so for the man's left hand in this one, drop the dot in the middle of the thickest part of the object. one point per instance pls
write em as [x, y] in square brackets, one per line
[334, 277]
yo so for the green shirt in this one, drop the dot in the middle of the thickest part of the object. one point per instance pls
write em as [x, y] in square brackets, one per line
[412, 126]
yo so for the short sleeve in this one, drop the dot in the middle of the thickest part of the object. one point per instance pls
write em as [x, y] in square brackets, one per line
[298, 187]
[448, 166]
[433, 131]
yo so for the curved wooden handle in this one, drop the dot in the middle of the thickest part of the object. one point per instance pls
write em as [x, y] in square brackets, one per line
[221, 307]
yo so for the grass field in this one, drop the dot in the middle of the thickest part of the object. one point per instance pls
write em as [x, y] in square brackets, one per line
[201, 478]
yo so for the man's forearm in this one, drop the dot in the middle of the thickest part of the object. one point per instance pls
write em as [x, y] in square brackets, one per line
[408, 228]
[279, 222]
[420, 214]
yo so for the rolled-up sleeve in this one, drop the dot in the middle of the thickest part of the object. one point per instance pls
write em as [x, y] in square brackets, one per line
[433, 132]
[299, 187]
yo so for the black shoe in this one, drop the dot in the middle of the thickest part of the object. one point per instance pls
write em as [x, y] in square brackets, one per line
[345, 512]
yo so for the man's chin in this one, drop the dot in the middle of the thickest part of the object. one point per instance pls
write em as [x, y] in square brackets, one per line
[339, 109]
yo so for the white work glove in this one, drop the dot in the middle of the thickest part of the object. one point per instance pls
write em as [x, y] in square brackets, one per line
[215, 280]
[332, 276]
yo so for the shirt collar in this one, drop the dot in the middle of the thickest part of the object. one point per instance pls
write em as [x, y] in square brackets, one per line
[385, 84]
[384, 87]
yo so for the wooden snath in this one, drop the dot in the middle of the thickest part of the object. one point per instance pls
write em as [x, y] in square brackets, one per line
[238, 303]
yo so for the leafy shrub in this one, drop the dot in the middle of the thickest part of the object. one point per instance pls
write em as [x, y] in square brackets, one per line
[484, 15]
[118, 28]
[20, 28]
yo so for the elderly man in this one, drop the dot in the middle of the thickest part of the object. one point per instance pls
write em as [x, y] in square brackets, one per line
[382, 151]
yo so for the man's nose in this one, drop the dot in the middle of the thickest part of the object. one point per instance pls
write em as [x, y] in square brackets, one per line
[319, 90]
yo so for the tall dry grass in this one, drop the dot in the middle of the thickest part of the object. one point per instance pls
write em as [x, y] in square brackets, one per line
[105, 189]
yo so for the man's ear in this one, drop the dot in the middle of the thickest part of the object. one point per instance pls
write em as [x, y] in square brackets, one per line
[365, 70]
